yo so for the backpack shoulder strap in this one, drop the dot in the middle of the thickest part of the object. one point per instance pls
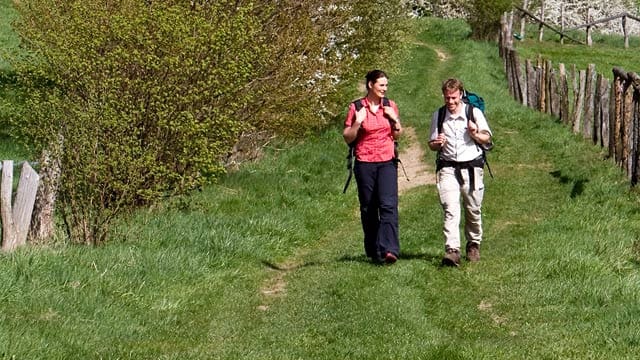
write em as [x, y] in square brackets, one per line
[442, 112]
[358, 104]
[470, 115]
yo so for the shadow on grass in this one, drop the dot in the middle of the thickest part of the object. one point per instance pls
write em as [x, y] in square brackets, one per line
[578, 183]
[404, 256]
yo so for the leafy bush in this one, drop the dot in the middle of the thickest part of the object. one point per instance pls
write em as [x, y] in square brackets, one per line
[140, 100]
[484, 17]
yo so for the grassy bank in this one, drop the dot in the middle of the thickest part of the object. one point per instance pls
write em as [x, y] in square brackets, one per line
[268, 264]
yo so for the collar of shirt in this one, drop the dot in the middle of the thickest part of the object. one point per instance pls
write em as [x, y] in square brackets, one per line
[460, 146]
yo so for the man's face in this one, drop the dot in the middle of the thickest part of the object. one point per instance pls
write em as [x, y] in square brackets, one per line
[452, 99]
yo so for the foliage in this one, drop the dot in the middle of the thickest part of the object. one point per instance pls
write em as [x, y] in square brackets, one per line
[141, 100]
[314, 49]
[443, 9]
[484, 17]
[268, 263]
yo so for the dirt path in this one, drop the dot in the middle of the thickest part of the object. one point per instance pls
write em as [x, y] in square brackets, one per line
[413, 159]
[418, 173]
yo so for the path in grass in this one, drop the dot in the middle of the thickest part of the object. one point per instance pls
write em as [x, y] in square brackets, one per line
[418, 173]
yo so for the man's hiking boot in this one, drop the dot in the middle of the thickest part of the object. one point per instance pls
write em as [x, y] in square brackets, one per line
[389, 258]
[451, 258]
[473, 252]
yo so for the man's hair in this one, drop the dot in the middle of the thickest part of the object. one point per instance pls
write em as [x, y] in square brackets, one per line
[452, 85]
[374, 75]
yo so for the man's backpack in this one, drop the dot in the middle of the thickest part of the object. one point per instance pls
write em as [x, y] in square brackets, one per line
[474, 101]
[351, 155]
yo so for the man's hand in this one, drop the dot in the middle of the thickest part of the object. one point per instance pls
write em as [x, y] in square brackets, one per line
[438, 143]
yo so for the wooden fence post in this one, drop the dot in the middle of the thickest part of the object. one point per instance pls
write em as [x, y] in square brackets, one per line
[519, 90]
[589, 41]
[16, 218]
[562, 24]
[541, 27]
[601, 112]
[564, 95]
[532, 93]
[612, 119]
[8, 225]
[625, 31]
[588, 123]
[42, 223]
[627, 127]
[523, 19]
[635, 137]
[617, 119]
[541, 85]
[578, 87]
[551, 106]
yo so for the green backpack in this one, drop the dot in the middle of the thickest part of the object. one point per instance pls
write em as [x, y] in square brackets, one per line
[474, 101]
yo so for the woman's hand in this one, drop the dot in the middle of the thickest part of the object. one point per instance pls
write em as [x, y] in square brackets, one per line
[361, 115]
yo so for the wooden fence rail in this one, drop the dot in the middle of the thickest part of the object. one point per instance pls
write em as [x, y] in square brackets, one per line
[16, 218]
[606, 113]
[587, 26]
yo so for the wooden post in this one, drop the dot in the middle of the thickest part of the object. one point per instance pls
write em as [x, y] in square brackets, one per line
[42, 226]
[575, 82]
[542, 85]
[589, 41]
[531, 85]
[523, 20]
[509, 37]
[16, 218]
[587, 129]
[617, 120]
[6, 189]
[541, 27]
[625, 31]
[554, 95]
[579, 102]
[601, 112]
[25, 198]
[520, 84]
[562, 24]
[549, 88]
[613, 93]
[627, 123]
[634, 141]
[564, 95]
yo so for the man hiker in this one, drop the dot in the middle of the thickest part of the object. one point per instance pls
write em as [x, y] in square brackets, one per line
[459, 169]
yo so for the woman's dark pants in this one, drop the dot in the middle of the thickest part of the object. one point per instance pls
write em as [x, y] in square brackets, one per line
[378, 195]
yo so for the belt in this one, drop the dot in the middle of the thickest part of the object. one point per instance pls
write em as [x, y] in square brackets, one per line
[459, 165]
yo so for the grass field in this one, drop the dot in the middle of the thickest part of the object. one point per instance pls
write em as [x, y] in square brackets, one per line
[268, 264]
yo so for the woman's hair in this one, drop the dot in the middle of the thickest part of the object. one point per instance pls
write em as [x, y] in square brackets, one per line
[373, 76]
[452, 85]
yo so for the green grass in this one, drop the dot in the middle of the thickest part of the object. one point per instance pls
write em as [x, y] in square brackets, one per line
[8, 39]
[607, 51]
[268, 264]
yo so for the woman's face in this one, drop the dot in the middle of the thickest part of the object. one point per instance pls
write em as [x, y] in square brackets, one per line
[379, 87]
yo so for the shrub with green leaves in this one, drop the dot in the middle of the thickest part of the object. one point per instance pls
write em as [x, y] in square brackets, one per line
[142, 96]
[484, 17]
[141, 100]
